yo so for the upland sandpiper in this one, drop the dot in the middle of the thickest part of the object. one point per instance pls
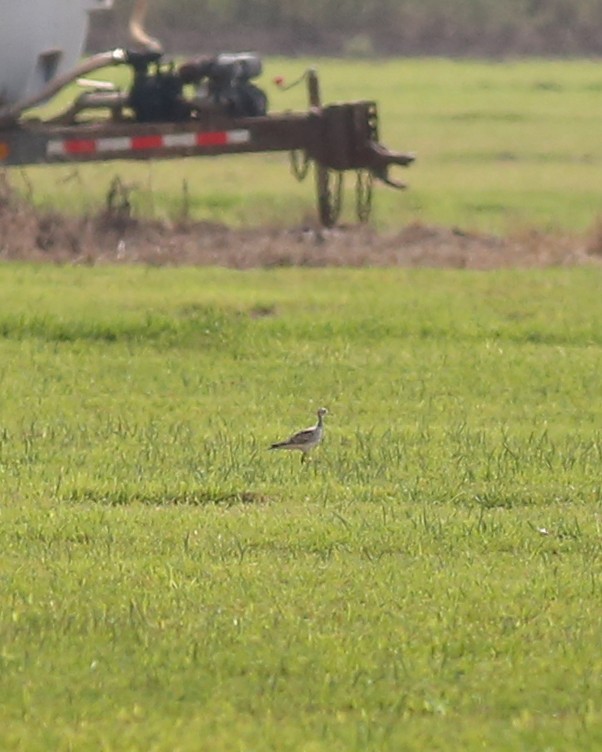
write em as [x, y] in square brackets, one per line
[307, 439]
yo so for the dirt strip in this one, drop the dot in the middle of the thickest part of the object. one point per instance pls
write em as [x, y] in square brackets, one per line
[114, 237]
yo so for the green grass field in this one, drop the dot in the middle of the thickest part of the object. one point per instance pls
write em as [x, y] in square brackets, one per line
[430, 581]
[501, 146]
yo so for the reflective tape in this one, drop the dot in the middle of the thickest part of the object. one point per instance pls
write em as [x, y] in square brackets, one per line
[151, 142]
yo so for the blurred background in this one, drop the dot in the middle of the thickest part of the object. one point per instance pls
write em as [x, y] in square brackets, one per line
[474, 28]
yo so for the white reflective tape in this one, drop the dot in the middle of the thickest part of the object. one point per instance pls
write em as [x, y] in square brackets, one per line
[116, 143]
[55, 149]
[238, 137]
[179, 139]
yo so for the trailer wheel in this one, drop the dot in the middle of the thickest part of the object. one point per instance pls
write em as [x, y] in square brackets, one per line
[329, 185]
[364, 185]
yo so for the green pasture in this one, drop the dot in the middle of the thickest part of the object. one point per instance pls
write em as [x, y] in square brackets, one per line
[430, 581]
[500, 146]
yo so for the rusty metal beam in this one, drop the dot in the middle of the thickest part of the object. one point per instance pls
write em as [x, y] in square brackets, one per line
[337, 136]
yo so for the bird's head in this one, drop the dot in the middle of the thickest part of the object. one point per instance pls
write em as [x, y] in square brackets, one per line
[322, 412]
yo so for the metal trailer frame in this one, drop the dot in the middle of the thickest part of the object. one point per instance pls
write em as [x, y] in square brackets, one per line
[336, 137]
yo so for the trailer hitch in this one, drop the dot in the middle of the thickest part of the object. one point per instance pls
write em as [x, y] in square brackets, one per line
[379, 159]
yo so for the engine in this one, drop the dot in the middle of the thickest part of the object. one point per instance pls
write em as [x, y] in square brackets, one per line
[222, 84]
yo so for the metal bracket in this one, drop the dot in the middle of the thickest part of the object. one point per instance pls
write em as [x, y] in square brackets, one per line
[380, 159]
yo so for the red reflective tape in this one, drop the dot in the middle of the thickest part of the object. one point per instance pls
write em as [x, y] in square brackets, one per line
[80, 146]
[217, 138]
[147, 142]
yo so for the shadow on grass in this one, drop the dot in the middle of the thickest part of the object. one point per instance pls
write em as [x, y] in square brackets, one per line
[196, 497]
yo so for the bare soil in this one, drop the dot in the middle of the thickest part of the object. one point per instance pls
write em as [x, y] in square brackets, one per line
[114, 237]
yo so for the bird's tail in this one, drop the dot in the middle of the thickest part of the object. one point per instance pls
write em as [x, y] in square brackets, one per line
[278, 444]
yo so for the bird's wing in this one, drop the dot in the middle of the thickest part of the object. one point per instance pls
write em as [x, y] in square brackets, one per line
[304, 437]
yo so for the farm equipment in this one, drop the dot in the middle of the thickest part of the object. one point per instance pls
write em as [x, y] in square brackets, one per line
[227, 113]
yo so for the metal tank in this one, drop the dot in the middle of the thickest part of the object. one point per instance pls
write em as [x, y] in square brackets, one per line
[40, 39]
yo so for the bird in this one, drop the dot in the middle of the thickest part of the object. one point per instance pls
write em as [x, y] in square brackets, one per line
[307, 439]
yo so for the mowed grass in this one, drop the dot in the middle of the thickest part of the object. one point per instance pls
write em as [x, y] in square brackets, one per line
[431, 580]
[500, 146]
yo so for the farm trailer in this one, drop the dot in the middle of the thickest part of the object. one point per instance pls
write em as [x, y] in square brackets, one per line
[228, 115]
